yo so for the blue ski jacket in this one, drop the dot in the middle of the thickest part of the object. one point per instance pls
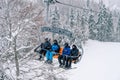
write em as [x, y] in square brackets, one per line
[66, 51]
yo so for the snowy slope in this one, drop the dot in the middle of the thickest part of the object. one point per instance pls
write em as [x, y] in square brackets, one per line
[101, 61]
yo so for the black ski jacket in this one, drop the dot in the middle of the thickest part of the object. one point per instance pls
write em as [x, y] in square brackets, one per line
[74, 52]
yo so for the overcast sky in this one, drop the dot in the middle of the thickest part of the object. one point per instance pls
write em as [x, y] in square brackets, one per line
[117, 2]
[111, 3]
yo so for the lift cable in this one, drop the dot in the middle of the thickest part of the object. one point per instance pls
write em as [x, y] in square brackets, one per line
[78, 7]
[75, 6]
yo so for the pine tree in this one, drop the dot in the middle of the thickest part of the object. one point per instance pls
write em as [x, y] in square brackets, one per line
[84, 29]
[118, 30]
[88, 3]
[55, 18]
[92, 28]
[102, 24]
[109, 28]
[78, 19]
[72, 18]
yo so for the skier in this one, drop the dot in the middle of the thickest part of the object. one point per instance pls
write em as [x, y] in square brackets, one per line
[46, 46]
[73, 56]
[54, 50]
[65, 53]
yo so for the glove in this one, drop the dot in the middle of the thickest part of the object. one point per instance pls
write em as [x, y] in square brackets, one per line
[34, 50]
[66, 56]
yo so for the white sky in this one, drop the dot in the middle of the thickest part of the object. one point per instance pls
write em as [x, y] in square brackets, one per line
[111, 3]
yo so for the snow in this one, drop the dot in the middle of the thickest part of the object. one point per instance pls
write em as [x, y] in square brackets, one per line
[100, 62]
[9, 39]
[115, 7]
[24, 47]
[38, 70]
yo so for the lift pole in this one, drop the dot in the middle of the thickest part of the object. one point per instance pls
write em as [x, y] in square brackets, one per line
[47, 2]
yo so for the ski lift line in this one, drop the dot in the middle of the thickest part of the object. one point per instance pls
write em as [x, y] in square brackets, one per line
[76, 6]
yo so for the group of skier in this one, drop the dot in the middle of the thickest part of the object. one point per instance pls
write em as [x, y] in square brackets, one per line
[48, 50]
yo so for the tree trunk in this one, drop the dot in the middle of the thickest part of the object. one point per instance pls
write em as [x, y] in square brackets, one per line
[10, 34]
[16, 59]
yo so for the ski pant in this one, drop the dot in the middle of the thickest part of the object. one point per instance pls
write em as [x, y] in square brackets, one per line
[41, 53]
[69, 60]
[49, 55]
[60, 58]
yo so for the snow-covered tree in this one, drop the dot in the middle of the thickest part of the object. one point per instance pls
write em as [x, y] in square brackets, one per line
[110, 29]
[17, 17]
[84, 27]
[88, 3]
[78, 22]
[118, 30]
[104, 24]
[92, 28]
[72, 18]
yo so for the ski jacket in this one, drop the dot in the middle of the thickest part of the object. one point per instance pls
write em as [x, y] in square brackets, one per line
[47, 45]
[74, 52]
[37, 49]
[66, 51]
[55, 47]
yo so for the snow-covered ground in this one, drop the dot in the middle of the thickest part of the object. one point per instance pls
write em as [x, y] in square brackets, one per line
[101, 61]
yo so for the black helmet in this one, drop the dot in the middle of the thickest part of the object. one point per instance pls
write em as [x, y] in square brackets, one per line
[46, 39]
[55, 41]
[66, 44]
[74, 46]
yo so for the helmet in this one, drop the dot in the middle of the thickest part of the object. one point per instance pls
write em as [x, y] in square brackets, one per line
[66, 44]
[46, 39]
